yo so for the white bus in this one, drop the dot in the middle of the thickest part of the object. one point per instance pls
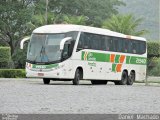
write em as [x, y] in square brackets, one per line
[75, 52]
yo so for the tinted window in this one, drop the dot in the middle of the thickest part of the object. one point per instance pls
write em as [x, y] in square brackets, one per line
[110, 43]
[135, 47]
[72, 34]
[91, 41]
[126, 45]
[103, 43]
[95, 42]
[142, 47]
[119, 45]
[84, 41]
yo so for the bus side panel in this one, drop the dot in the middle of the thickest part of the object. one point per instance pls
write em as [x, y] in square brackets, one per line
[93, 70]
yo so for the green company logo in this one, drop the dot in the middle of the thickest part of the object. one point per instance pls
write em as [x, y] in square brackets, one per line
[90, 57]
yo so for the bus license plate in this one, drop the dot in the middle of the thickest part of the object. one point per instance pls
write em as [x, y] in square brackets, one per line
[40, 74]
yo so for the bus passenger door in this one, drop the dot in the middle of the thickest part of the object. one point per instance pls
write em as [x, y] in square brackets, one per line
[66, 57]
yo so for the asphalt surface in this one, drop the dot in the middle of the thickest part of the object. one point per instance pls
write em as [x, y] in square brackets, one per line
[25, 96]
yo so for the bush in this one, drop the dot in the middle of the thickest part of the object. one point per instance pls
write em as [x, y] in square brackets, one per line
[12, 73]
[154, 67]
[155, 71]
[5, 54]
[153, 49]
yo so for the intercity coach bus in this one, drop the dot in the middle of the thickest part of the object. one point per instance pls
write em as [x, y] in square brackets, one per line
[75, 52]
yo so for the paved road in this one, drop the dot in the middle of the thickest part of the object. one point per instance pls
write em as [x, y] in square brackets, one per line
[31, 96]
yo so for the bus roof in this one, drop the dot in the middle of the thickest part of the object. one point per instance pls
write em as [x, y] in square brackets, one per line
[62, 28]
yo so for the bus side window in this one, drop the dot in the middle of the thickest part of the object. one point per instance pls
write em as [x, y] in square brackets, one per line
[138, 45]
[107, 43]
[94, 39]
[72, 34]
[134, 50]
[130, 46]
[120, 45]
[65, 53]
[111, 44]
[86, 41]
[142, 47]
[96, 42]
[102, 43]
[126, 45]
[115, 44]
[81, 42]
[68, 49]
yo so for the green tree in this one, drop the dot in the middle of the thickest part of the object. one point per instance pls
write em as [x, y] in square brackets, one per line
[14, 14]
[39, 20]
[126, 24]
[78, 20]
[94, 10]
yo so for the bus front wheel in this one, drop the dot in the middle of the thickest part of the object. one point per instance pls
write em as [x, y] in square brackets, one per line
[46, 81]
[77, 77]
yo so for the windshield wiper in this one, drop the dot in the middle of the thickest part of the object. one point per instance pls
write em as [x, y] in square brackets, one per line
[43, 54]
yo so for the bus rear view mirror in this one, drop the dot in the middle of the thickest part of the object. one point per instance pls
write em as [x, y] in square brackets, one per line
[63, 42]
[22, 42]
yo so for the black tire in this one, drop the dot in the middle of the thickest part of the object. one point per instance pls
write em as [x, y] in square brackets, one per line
[131, 78]
[46, 81]
[124, 79]
[99, 82]
[77, 77]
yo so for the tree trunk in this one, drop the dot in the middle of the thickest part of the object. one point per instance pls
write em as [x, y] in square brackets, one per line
[10, 43]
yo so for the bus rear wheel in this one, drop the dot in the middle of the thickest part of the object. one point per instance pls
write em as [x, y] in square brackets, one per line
[77, 77]
[124, 79]
[131, 78]
[98, 82]
[46, 81]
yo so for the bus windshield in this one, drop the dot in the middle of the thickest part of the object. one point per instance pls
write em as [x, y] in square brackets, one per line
[45, 48]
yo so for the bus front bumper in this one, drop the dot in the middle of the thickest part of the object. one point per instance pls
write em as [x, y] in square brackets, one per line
[44, 74]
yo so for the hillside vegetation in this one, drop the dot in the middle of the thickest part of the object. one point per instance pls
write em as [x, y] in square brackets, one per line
[149, 10]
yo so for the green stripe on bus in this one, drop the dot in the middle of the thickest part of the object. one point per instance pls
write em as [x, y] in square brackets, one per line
[114, 67]
[102, 57]
[138, 60]
[107, 57]
[82, 56]
[117, 58]
[44, 66]
[128, 59]
[93, 56]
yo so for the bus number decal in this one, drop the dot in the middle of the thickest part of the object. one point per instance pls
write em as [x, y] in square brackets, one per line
[140, 61]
